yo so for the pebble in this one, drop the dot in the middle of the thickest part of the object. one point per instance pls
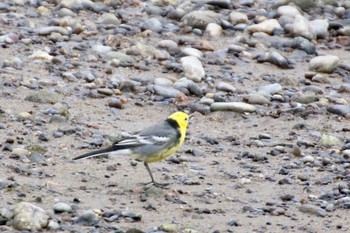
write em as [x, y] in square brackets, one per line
[288, 10]
[213, 30]
[324, 64]
[268, 26]
[223, 86]
[61, 207]
[342, 110]
[270, 89]
[193, 68]
[330, 141]
[88, 218]
[200, 19]
[29, 217]
[308, 159]
[301, 27]
[259, 99]
[311, 209]
[153, 24]
[236, 17]
[166, 92]
[239, 107]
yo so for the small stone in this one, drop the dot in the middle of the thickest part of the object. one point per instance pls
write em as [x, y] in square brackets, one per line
[213, 30]
[152, 24]
[105, 91]
[308, 159]
[267, 26]
[270, 89]
[108, 18]
[311, 209]
[288, 10]
[223, 86]
[20, 152]
[237, 17]
[43, 97]
[302, 28]
[88, 218]
[169, 227]
[61, 207]
[166, 92]
[200, 19]
[330, 141]
[232, 106]
[193, 68]
[258, 99]
[23, 116]
[29, 217]
[325, 64]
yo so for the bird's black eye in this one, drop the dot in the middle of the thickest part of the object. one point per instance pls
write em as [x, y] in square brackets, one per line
[186, 119]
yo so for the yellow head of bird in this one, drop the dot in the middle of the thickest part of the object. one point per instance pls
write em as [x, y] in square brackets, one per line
[181, 118]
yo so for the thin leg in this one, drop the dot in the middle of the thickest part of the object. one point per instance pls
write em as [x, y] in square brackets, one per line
[150, 173]
[153, 181]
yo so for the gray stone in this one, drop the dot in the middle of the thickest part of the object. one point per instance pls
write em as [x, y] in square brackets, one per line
[152, 24]
[325, 64]
[193, 68]
[330, 141]
[29, 217]
[232, 106]
[166, 92]
[88, 218]
[200, 19]
[61, 207]
[44, 97]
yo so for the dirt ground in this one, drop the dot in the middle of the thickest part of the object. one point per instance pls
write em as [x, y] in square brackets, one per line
[222, 183]
[216, 185]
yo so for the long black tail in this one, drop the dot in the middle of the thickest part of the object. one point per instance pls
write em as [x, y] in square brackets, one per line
[96, 153]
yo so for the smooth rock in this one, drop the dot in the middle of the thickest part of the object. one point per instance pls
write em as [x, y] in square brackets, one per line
[108, 18]
[308, 159]
[20, 152]
[44, 31]
[330, 141]
[270, 89]
[193, 68]
[236, 17]
[101, 49]
[200, 19]
[23, 116]
[259, 99]
[163, 82]
[166, 92]
[232, 106]
[325, 64]
[311, 209]
[152, 24]
[61, 207]
[267, 26]
[213, 30]
[342, 110]
[43, 97]
[319, 27]
[288, 10]
[192, 52]
[223, 86]
[302, 28]
[29, 217]
[88, 218]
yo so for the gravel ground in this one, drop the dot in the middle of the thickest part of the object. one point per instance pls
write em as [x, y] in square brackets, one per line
[279, 161]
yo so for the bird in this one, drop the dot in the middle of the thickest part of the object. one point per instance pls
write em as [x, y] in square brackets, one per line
[151, 144]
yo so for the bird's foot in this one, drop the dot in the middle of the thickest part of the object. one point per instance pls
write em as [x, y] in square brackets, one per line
[158, 185]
